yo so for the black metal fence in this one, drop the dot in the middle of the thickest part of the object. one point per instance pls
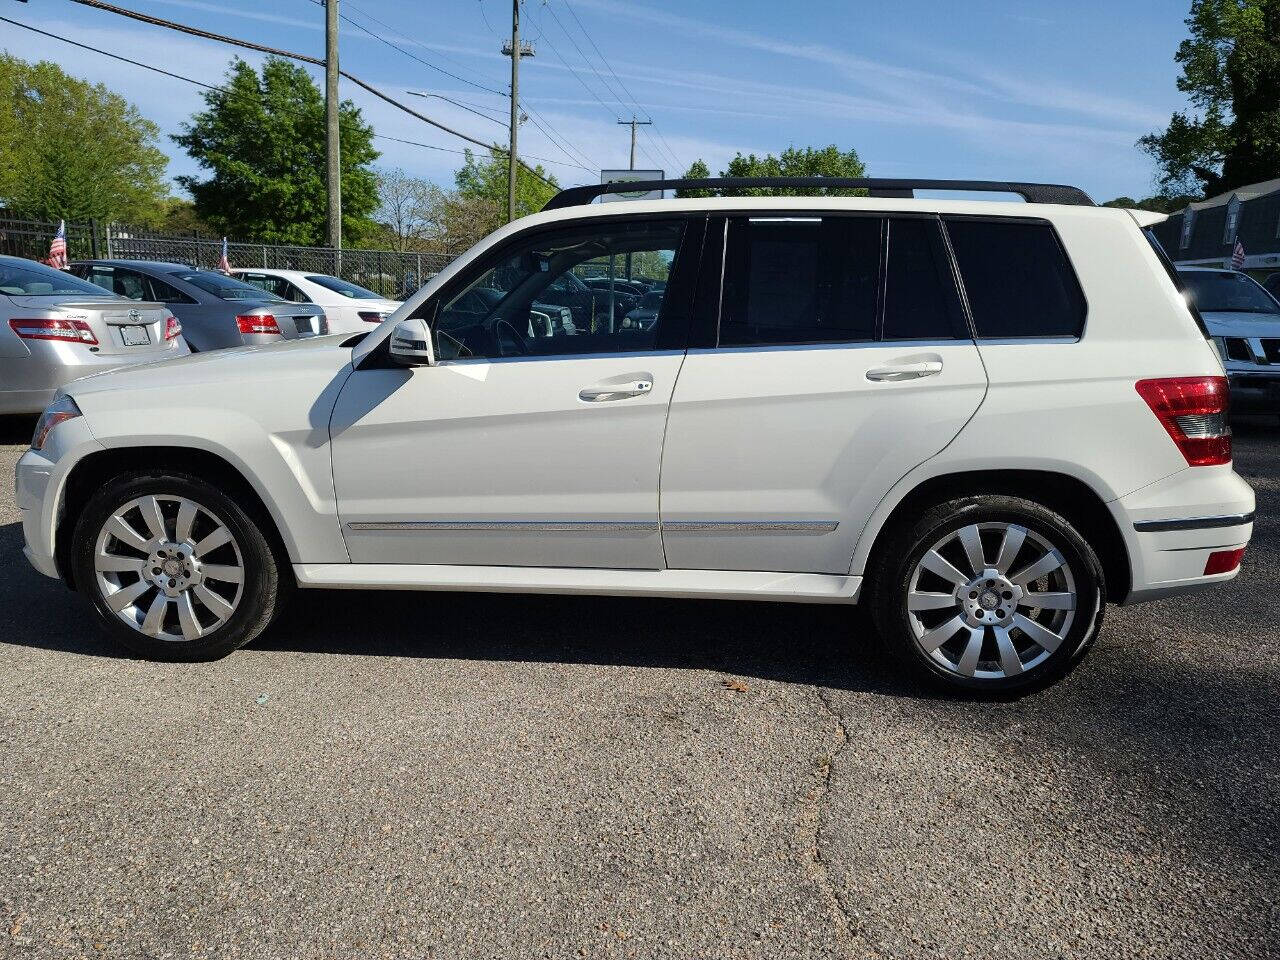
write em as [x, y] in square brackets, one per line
[391, 273]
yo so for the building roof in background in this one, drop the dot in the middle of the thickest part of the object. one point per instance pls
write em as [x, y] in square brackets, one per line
[1247, 192]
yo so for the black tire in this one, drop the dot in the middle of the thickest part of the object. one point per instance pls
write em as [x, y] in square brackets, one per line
[261, 592]
[893, 568]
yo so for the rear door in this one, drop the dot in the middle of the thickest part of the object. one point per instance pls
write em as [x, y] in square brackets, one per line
[836, 357]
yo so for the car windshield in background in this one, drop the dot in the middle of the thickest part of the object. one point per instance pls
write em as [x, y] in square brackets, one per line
[344, 288]
[36, 280]
[1217, 291]
[226, 288]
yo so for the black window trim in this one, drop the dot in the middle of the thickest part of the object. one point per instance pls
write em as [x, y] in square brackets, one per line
[964, 294]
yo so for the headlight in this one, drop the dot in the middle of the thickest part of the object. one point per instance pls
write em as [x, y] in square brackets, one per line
[61, 410]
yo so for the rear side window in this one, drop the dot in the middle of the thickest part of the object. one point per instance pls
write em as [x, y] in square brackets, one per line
[1017, 278]
[920, 300]
[799, 280]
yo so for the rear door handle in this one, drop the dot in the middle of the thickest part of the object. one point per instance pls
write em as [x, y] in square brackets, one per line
[905, 371]
[615, 391]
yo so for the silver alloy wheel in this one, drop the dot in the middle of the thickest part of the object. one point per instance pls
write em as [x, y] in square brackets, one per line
[991, 600]
[168, 567]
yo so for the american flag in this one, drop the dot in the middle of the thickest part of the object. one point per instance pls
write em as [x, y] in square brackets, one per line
[1237, 256]
[58, 248]
[224, 264]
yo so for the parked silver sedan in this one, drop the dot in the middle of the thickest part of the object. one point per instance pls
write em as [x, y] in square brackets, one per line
[216, 310]
[55, 328]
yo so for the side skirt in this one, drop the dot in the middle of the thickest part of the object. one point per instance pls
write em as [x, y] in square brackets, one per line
[709, 584]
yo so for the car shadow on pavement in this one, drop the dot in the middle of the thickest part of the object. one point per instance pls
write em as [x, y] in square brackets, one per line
[799, 643]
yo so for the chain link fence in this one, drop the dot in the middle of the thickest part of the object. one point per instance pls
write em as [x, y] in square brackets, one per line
[390, 273]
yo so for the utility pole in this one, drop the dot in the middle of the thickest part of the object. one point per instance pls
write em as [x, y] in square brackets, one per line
[512, 161]
[633, 123]
[333, 168]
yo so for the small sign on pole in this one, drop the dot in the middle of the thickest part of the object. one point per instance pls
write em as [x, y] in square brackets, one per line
[625, 176]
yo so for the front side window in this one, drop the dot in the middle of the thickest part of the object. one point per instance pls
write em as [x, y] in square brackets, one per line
[533, 299]
[1018, 279]
[800, 280]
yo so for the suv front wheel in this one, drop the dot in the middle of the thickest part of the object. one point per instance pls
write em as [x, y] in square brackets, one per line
[988, 594]
[174, 568]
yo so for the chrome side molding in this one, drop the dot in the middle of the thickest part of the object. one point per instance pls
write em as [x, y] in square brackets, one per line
[714, 527]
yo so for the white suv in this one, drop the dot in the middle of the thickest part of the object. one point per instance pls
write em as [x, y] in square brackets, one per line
[988, 419]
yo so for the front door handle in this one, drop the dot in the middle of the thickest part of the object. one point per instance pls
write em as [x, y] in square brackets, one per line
[615, 391]
[905, 371]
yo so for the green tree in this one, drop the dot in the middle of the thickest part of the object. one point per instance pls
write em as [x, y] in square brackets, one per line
[1160, 203]
[74, 150]
[806, 162]
[483, 184]
[262, 140]
[1231, 74]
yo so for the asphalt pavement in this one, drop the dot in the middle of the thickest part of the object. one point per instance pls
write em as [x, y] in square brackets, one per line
[460, 775]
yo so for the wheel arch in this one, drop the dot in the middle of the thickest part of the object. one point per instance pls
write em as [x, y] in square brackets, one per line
[1069, 496]
[96, 469]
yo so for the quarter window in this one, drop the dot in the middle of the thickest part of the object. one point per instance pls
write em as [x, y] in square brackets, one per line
[1017, 278]
[800, 280]
[535, 299]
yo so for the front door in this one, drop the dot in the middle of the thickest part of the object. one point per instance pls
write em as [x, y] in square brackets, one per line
[841, 359]
[528, 443]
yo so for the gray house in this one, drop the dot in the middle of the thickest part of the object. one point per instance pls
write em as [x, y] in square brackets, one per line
[1205, 233]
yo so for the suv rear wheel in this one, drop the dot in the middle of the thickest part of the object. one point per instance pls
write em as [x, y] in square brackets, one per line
[989, 594]
[174, 568]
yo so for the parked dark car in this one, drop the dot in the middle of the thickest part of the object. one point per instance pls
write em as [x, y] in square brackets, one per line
[216, 310]
[590, 306]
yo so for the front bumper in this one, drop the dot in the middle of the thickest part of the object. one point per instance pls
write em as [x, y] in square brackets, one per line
[1254, 391]
[1172, 526]
[39, 479]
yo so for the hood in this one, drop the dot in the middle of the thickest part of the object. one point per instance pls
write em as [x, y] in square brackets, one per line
[1233, 324]
[207, 378]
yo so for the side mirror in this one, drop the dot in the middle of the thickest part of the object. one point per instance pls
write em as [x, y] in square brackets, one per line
[411, 344]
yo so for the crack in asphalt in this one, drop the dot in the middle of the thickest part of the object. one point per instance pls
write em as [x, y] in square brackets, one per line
[821, 866]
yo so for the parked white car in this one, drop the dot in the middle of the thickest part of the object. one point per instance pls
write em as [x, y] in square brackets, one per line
[987, 419]
[349, 307]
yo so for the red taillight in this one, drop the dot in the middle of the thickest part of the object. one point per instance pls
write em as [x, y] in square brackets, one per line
[257, 323]
[1195, 412]
[71, 330]
[371, 317]
[1223, 561]
[172, 327]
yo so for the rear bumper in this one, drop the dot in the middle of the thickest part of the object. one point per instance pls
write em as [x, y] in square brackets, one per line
[27, 384]
[1172, 526]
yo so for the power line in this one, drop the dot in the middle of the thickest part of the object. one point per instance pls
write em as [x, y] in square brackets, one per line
[275, 51]
[613, 73]
[585, 58]
[541, 122]
[232, 92]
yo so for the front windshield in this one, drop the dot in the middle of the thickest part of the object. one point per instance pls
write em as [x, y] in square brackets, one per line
[226, 288]
[346, 289]
[27, 278]
[1220, 291]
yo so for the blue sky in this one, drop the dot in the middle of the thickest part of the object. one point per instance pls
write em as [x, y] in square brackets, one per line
[981, 89]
